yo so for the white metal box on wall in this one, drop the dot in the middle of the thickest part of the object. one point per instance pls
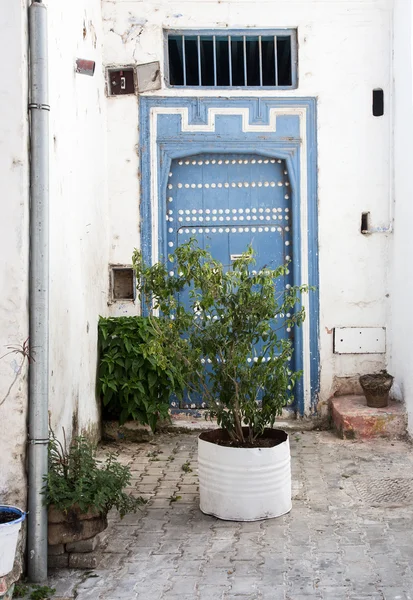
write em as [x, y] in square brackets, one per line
[364, 340]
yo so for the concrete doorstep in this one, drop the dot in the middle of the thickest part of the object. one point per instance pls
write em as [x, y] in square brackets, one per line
[353, 419]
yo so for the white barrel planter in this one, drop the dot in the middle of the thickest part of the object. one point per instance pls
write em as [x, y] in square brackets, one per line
[244, 484]
[9, 533]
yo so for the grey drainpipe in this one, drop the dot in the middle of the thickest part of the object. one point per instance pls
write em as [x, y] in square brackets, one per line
[39, 291]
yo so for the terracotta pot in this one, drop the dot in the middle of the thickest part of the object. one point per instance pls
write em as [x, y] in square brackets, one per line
[74, 525]
[376, 388]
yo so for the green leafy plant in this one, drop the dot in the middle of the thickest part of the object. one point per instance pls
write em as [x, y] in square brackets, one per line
[20, 590]
[135, 379]
[186, 467]
[37, 592]
[174, 498]
[219, 316]
[77, 477]
[42, 592]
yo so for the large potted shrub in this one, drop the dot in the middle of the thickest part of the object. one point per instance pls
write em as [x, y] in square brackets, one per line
[79, 490]
[225, 330]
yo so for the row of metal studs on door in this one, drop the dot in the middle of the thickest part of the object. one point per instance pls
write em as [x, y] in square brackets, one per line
[227, 184]
[234, 161]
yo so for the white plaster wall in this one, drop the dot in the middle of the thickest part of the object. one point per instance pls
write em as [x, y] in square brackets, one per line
[401, 359]
[344, 52]
[78, 227]
[78, 213]
[13, 249]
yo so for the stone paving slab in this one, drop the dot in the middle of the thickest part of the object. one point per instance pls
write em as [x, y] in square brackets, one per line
[338, 543]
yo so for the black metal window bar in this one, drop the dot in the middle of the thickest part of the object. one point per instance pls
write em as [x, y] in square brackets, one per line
[267, 60]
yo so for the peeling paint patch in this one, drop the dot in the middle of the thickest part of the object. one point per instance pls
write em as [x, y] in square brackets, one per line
[93, 34]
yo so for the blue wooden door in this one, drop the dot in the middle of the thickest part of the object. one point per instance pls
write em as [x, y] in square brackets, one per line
[228, 201]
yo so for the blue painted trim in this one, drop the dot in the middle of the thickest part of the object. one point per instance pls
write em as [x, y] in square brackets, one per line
[314, 299]
[178, 145]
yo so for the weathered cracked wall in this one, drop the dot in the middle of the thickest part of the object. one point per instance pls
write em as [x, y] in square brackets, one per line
[344, 52]
[78, 214]
[401, 359]
[78, 227]
[14, 177]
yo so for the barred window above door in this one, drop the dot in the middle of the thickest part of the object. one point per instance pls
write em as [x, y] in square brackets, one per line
[234, 59]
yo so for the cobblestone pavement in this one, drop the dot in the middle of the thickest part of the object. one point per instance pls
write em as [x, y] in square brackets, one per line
[348, 536]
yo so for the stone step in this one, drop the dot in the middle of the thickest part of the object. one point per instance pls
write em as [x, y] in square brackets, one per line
[353, 419]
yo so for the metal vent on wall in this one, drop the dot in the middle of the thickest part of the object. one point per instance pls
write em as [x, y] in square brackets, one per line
[267, 59]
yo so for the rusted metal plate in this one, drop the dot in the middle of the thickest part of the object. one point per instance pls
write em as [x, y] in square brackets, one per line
[121, 82]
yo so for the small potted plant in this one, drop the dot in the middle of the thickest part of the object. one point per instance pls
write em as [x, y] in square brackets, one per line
[11, 519]
[79, 490]
[226, 330]
[376, 388]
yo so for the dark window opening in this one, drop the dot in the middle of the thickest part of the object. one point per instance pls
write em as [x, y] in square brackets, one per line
[207, 62]
[222, 62]
[253, 63]
[232, 60]
[191, 61]
[237, 62]
[176, 70]
[284, 61]
[269, 63]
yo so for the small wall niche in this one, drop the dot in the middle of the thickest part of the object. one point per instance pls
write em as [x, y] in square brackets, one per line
[122, 283]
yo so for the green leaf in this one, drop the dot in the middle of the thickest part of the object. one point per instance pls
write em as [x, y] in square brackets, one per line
[152, 379]
[140, 387]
